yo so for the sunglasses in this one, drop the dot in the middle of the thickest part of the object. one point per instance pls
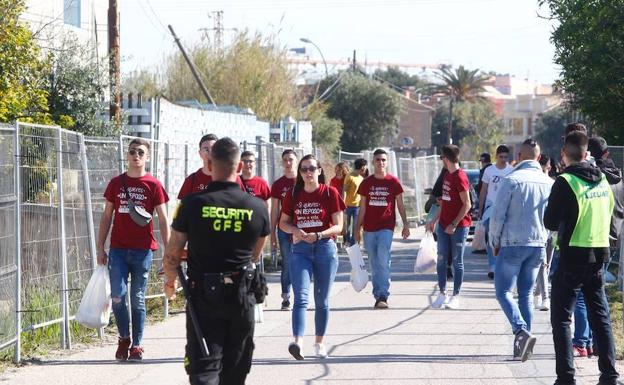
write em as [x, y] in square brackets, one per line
[134, 152]
[248, 161]
[309, 168]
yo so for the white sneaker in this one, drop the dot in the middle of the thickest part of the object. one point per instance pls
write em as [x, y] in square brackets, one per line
[537, 302]
[453, 303]
[320, 351]
[440, 301]
[545, 305]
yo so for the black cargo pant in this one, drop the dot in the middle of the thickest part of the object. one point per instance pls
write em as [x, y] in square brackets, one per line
[228, 328]
[565, 284]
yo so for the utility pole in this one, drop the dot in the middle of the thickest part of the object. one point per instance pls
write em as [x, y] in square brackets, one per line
[114, 63]
[218, 29]
[354, 61]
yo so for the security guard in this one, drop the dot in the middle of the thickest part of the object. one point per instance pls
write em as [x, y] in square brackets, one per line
[579, 208]
[226, 229]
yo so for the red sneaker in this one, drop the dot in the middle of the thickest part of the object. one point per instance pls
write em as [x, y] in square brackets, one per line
[122, 349]
[136, 353]
[579, 351]
[591, 352]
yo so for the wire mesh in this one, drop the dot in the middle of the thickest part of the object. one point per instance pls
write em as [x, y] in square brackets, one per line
[8, 259]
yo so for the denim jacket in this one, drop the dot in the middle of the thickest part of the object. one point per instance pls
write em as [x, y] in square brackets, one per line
[517, 215]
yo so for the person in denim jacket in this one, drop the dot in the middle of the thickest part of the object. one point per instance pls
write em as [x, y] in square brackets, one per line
[518, 238]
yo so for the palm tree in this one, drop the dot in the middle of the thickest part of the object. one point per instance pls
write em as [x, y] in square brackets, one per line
[461, 85]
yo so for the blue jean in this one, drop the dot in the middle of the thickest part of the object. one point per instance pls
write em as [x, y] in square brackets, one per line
[318, 260]
[451, 246]
[582, 331]
[352, 214]
[488, 248]
[285, 245]
[135, 263]
[378, 245]
[518, 266]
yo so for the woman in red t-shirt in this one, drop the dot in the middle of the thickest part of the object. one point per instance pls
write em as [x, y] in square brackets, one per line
[452, 229]
[312, 213]
[337, 181]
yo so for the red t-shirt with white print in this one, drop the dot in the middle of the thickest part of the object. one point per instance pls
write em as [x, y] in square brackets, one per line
[279, 189]
[312, 212]
[257, 187]
[198, 182]
[453, 184]
[145, 191]
[380, 197]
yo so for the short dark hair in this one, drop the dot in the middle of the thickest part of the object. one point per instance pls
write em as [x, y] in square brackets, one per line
[380, 151]
[485, 157]
[247, 153]
[575, 145]
[544, 160]
[289, 151]
[207, 137]
[451, 152]
[226, 152]
[502, 149]
[597, 146]
[359, 163]
[139, 142]
[576, 126]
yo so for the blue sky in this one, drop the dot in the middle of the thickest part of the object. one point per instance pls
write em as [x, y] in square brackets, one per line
[505, 36]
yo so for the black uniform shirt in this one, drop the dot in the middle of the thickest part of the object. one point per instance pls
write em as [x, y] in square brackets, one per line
[223, 224]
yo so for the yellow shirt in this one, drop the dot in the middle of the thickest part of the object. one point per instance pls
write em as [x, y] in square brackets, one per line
[351, 184]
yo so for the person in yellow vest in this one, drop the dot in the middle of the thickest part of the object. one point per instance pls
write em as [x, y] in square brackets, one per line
[579, 208]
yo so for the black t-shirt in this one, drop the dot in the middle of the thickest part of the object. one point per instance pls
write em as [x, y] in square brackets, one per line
[223, 224]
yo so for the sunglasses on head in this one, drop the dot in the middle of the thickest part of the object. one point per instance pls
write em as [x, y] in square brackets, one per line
[133, 152]
[309, 168]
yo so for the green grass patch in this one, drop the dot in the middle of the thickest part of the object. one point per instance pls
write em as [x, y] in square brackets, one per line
[614, 296]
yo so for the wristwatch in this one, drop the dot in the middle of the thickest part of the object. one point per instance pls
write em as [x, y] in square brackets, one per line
[319, 236]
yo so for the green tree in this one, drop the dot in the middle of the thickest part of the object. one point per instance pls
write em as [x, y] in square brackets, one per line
[145, 82]
[76, 89]
[589, 48]
[252, 72]
[22, 91]
[368, 110]
[484, 126]
[549, 129]
[462, 84]
[399, 78]
[439, 128]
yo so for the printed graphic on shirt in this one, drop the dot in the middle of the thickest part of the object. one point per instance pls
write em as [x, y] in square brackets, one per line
[378, 196]
[446, 189]
[137, 194]
[309, 214]
[227, 218]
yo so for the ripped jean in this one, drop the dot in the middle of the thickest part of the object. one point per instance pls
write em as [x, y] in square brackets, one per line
[135, 263]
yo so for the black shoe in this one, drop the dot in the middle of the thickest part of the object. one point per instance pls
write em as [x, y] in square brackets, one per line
[449, 272]
[523, 345]
[285, 304]
[479, 252]
[295, 350]
[491, 275]
[381, 303]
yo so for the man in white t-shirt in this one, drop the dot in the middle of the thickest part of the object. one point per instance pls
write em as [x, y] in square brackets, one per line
[487, 196]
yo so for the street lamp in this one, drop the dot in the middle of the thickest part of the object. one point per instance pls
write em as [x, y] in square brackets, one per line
[308, 41]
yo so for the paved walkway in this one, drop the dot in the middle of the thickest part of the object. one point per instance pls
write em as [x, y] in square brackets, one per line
[406, 344]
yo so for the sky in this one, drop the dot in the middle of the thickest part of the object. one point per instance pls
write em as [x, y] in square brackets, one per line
[504, 36]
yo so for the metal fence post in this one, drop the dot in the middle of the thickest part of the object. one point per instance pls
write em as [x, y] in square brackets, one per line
[89, 209]
[65, 331]
[120, 151]
[18, 248]
[167, 188]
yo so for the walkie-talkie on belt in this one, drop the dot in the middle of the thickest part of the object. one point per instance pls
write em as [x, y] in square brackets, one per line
[189, 304]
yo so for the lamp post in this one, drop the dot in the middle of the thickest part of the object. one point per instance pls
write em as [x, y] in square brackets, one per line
[308, 41]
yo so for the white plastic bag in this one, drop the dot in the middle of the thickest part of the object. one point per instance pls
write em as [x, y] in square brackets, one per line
[427, 257]
[478, 240]
[95, 306]
[359, 274]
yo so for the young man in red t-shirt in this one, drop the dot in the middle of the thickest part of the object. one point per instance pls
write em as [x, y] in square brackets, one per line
[380, 194]
[200, 179]
[452, 228]
[278, 191]
[254, 185]
[131, 244]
